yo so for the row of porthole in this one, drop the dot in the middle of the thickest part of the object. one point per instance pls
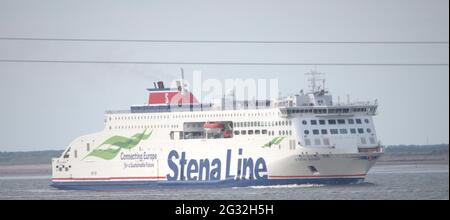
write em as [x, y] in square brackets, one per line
[262, 123]
[337, 131]
[336, 121]
[192, 116]
[143, 127]
[264, 132]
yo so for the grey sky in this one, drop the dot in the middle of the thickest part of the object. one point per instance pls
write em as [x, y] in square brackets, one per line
[45, 106]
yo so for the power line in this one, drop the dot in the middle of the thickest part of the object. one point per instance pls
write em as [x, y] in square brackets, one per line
[216, 41]
[217, 63]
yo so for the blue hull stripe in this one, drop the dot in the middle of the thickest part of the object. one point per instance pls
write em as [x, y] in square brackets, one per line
[124, 185]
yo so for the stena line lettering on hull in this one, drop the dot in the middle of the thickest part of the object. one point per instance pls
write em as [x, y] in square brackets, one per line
[179, 141]
[204, 170]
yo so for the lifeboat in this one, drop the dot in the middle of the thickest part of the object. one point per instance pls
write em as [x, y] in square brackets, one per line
[213, 125]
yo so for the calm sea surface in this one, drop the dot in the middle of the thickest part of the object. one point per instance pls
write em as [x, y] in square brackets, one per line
[392, 182]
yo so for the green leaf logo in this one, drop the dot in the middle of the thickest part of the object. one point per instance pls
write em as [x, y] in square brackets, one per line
[274, 141]
[109, 149]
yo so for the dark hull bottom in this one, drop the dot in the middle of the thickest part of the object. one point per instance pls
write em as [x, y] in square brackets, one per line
[130, 185]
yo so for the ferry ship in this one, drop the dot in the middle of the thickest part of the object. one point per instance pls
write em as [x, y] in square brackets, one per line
[175, 141]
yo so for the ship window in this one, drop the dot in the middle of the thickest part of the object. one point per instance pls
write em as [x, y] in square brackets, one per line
[331, 122]
[316, 132]
[304, 122]
[290, 132]
[326, 141]
[351, 121]
[372, 140]
[244, 132]
[284, 133]
[341, 121]
[343, 131]
[75, 153]
[353, 131]
[88, 147]
[366, 120]
[317, 141]
[264, 131]
[257, 132]
[322, 122]
[334, 131]
[237, 132]
[279, 133]
[313, 122]
[250, 132]
[306, 132]
[290, 122]
[360, 131]
[307, 142]
[358, 121]
[369, 130]
[363, 140]
[324, 131]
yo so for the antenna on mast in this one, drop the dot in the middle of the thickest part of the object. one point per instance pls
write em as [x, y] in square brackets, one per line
[313, 79]
[180, 83]
[182, 73]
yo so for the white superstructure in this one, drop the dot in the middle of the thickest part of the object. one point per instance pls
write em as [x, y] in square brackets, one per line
[176, 141]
